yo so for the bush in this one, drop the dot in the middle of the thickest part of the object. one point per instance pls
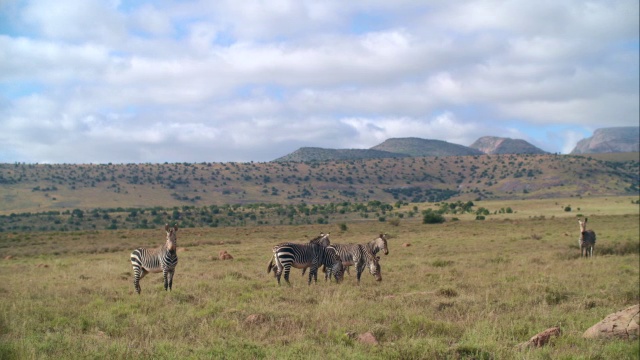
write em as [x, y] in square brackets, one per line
[432, 218]
[480, 217]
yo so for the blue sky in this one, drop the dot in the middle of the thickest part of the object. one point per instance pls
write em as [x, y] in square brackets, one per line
[101, 81]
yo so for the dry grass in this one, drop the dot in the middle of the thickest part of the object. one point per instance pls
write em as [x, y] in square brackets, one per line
[463, 290]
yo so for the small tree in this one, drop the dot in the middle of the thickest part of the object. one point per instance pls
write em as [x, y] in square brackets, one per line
[431, 217]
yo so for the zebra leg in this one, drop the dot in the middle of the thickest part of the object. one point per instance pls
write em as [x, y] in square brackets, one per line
[360, 270]
[138, 274]
[165, 275]
[313, 273]
[287, 270]
[171, 278]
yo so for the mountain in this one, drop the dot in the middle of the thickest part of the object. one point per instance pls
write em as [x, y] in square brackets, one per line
[499, 145]
[610, 140]
[423, 147]
[320, 154]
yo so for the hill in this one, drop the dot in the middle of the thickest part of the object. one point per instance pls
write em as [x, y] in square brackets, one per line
[610, 140]
[424, 147]
[320, 154]
[57, 187]
[500, 145]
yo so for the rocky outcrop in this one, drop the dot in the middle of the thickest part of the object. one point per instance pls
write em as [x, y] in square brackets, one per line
[622, 324]
[610, 140]
[500, 145]
[424, 147]
[541, 339]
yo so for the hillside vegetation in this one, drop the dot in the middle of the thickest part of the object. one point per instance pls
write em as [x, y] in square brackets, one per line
[38, 188]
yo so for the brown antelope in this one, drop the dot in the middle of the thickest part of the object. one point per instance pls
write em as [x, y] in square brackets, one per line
[587, 241]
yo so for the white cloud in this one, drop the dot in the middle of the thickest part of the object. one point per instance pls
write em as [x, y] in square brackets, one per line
[238, 81]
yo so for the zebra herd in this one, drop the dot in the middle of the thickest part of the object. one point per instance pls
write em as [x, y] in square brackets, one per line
[318, 252]
[334, 258]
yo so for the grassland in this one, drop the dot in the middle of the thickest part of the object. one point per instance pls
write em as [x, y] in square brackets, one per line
[464, 289]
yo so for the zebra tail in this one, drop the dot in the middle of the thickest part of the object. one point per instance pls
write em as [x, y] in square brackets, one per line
[270, 266]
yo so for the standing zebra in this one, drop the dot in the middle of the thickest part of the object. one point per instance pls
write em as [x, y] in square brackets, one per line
[359, 255]
[163, 260]
[587, 240]
[322, 240]
[301, 256]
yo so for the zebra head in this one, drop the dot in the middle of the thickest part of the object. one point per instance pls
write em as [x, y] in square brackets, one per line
[323, 240]
[374, 268]
[583, 225]
[380, 243]
[172, 238]
[337, 268]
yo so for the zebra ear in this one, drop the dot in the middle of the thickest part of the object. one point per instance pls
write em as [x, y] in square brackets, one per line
[166, 227]
[175, 227]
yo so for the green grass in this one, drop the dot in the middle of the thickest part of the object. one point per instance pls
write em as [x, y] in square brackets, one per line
[462, 290]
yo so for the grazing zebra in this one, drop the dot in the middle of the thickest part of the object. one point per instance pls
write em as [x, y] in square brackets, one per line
[302, 256]
[375, 245]
[162, 260]
[587, 240]
[359, 255]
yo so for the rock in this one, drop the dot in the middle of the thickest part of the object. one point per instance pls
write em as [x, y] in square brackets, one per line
[622, 325]
[368, 338]
[224, 255]
[608, 140]
[406, 244]
[540, 339]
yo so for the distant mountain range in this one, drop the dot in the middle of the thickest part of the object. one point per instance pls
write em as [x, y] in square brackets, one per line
[622, 139]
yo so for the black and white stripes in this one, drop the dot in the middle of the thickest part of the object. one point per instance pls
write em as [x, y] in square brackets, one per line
[288, 255]
[163, 260]
[587, 240]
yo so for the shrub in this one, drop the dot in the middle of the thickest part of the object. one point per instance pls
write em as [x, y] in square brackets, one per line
[432, 218]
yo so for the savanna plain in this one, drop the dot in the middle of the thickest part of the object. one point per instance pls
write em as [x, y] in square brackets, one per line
[463, 289]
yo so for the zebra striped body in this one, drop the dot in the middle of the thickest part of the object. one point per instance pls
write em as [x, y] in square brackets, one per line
[163, 260]
[322, 240]
[301, 256]
[361, 256]
[587, 240]
[375, 245]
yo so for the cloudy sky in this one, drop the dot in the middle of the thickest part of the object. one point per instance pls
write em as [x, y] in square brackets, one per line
[98, 81]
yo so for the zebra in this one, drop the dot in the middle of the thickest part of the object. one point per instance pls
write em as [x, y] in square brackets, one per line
[359, 255]
[322, 240]
[157, 260]
[300, 256]
[375, 245]
[587, 240]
